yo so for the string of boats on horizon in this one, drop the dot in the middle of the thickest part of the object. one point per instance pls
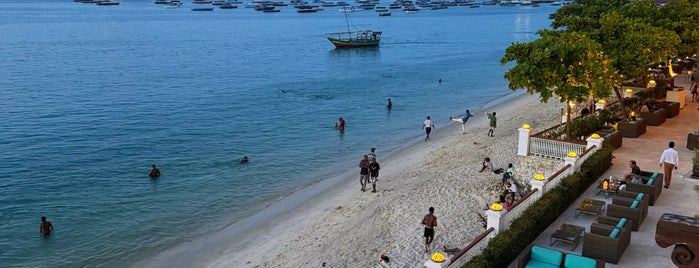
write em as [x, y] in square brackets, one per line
[268, 6]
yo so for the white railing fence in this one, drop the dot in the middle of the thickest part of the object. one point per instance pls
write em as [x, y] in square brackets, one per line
[557, 149]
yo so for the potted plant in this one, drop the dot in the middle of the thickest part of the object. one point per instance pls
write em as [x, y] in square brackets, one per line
[695, 164]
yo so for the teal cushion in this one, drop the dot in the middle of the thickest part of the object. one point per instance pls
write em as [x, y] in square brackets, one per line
[614, 233]
[621, 223]
[639, 196]
[634, 204]
[577, 261]
[538, 264]
[655, 174]
[546, 255]
[650, 182]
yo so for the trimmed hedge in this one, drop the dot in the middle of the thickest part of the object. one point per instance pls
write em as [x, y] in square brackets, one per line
[507, 245]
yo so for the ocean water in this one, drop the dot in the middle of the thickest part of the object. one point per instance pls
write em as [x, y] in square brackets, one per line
[91, 96]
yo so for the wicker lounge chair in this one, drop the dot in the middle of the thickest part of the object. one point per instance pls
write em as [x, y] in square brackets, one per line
[615, 222]
[601, 243]
[654, 189]
[634, 210]
[655, 118]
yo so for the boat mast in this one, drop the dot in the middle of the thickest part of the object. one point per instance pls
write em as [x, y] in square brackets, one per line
[347, 20]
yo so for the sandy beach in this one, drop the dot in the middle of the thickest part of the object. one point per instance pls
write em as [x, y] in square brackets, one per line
[349, 228]
[344, 227]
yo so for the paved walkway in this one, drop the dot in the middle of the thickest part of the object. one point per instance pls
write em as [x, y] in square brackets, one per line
[680, 198]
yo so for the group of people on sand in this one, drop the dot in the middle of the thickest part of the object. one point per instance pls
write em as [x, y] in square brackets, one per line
[369, 170]
[508, 194]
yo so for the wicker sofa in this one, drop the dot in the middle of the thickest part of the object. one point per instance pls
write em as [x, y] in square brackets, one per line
[632, 209]
[652, 185]
[535, 256]
[654, 118]
[611, 137]
[606, 242]
[672, 108]
[632, 130]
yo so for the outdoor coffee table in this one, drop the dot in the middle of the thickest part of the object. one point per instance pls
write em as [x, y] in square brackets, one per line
[606, 191]
[567, 233]
[590, 206]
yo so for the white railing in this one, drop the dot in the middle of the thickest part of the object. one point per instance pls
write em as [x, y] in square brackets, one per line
[587, 153]
[474, 248]
[519, 207]
[553, 148]
[557, 177]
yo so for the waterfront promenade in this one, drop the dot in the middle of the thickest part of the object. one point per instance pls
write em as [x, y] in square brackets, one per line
[680, 198]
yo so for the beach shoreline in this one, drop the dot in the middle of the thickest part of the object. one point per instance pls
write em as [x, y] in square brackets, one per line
[344, 227]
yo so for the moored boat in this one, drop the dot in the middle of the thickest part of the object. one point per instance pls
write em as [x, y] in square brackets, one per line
[307, 10]
[385, 14]
[107, 3]
[202, 9]
[352, 39]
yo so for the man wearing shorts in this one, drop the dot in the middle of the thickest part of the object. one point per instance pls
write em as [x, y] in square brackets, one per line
[427, 126]
[430, 221]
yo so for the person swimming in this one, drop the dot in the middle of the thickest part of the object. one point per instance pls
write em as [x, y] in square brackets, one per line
[244, 160]
[154, 172]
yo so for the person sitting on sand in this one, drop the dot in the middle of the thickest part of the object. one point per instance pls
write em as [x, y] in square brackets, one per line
[510, 190]
[487, 165]
[154, 172]
[508, 173]
[508, 202]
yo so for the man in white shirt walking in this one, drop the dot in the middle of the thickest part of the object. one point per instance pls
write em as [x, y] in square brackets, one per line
[670, 160]
[427, 126]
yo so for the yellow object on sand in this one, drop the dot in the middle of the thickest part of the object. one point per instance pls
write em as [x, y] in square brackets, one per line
[437, 257]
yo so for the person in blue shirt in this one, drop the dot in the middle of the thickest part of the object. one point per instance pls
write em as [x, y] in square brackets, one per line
[463, 120]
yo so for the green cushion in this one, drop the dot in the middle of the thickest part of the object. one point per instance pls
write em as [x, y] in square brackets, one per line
[621, 223]
[546, 255]
[577, 261]
[634, 204]
[639, 196]
[655, 174]
[614, 233]
[650, 182]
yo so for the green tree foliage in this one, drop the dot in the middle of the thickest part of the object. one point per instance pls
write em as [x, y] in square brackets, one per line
[562, 63]
[680, 17]
[583, 15]
[632, 44]
[632, 33]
